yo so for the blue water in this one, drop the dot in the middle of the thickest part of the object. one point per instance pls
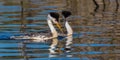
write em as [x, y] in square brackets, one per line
[95, 37]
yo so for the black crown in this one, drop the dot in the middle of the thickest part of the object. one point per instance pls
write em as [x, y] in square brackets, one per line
[66, 13]
[54, 15]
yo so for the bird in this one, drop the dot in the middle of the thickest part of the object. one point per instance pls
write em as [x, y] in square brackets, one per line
[52, 17]
[69, 30]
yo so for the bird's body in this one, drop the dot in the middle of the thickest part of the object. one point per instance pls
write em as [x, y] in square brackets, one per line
[52, 18]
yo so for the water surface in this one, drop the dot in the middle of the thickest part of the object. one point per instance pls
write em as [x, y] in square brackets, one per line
[96, 26]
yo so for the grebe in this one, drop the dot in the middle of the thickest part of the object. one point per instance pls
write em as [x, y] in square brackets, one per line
[66, 14]
[51, 18]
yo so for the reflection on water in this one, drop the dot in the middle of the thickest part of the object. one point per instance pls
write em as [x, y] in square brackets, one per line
[95, 24]
[52, 49]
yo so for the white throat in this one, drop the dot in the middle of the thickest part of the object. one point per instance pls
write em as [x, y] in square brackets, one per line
[52, 29]
[69, 28]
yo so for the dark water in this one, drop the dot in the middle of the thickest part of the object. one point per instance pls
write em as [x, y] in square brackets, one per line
[96, 25]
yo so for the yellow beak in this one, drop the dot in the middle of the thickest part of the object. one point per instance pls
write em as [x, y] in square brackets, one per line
[60, 27]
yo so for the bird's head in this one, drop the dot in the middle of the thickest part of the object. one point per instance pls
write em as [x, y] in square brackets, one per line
[66, 14]
[54, 17]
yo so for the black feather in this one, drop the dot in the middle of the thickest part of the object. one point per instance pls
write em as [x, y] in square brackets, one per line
[55, 15]
[66, 13]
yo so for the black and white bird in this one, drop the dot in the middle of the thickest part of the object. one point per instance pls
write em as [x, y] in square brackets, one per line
[69, 30]
[52, 17]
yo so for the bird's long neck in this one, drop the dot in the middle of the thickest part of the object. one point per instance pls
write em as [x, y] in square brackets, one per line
[53, 30]
[69, 28]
